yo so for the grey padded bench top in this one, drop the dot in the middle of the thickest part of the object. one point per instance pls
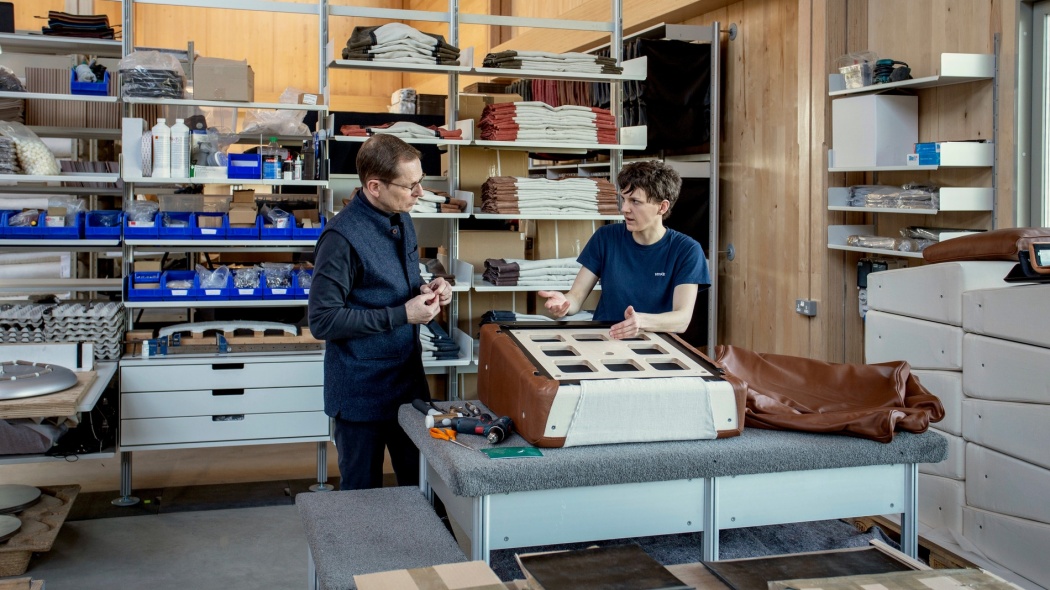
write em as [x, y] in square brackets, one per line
[367, 531]
[471, 474]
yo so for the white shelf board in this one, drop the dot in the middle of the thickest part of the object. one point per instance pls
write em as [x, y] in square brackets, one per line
[75, 132]
[482, 286]
[26, 459]
[464, 272]
[56, 45]
[837, 235]
[466, 349]
[875, 251]
[49, 96]
[64, 244]
[462, 195]
[951, 199]
[227, 181]
[548, 216]
[259, 5]
[58, 285]
[897, 210]
[956, 68]
[189, 102]
[104, 371]
[356, 64]
[132, 304]
[107, 178]
[633, 69]
[178, 245]
[409, 140]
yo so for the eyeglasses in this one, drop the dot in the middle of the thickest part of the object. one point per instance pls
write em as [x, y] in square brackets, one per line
[410, 187]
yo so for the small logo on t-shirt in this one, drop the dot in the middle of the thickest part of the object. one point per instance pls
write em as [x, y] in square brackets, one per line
[660, 274]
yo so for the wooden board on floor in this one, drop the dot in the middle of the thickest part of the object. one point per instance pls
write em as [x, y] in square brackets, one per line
[40, 525]
[22, 584]
[939, 558]
[61, 403]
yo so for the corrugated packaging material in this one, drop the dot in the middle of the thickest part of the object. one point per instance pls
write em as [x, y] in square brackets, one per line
[243, 209]
[476, 165]
[472, 575]
[472, 105]
[52, 113]
[310, 98]
[223, 79]
[430, 104]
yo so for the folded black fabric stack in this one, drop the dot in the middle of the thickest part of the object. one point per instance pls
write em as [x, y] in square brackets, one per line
[91, 26]
[437, 344]
[553, 62]
[399, 43]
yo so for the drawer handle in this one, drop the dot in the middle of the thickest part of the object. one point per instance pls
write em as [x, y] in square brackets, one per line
[227, 367]
[227, 392]
[227, 418]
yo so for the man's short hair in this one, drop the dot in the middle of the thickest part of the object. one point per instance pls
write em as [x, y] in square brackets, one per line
[659, 181]
[380, 156]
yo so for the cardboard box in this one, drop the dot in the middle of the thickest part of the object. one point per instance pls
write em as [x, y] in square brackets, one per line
[450, 576]
[310, 98]
[209, 221]
[244, 196]
[873, 130]
[241, 216]
[146, 266]
[476, 165]
[304, 215]
[472, 105]
[223, 79]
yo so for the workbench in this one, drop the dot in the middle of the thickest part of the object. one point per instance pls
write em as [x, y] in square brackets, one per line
[591, 493]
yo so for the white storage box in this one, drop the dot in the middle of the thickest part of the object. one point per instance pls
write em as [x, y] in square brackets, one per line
[948, 387]
[934, 291]
[1015, 543]
[1002, 484]
[1001, 370]
[925, 345]
[1018, 430]
[874, 130]
[954, 465]
[1017, 313]
[940, 502]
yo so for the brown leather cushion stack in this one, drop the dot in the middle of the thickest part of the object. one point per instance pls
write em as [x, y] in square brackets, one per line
[998, 244]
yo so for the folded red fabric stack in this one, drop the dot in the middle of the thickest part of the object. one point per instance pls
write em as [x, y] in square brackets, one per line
[538, 121]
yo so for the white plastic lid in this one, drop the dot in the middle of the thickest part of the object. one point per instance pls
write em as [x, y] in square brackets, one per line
[178, 121]
[161, 120]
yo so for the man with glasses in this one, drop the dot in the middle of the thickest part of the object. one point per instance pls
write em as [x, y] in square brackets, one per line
[367, 301]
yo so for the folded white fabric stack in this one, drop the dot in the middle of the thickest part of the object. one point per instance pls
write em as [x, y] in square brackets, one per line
[552, 62]
[515, 195]
[556, 273]
[398, 42]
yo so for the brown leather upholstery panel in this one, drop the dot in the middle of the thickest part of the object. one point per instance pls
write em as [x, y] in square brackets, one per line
[998, 244]
[739, 390]
[794, 393]
[509, 385]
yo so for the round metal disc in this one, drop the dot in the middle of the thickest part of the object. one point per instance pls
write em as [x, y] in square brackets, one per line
[9, 525]
[17, 497]
[19, 379]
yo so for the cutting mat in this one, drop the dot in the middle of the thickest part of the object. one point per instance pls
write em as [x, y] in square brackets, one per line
[60, 403]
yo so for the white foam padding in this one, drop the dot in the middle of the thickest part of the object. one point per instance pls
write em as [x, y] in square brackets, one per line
[934, 291]
[924, 344]
[1000, 483]
[940, 502]
[948, 387]
[954, 465]
[1018, 314]
[1001, 370]
[1019, 430]
[1018, 544]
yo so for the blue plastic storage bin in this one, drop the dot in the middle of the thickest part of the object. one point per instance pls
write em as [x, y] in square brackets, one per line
[181, 232]
[243, 233]
[213, 294]
[280, 292]
[88, 88]
[297, 291]
[209, 233]
[3, 221]
[246, 293]
[141, 232]
[96, 227]
[180, 294]
[42, 232]
[269, 232]
[245, 166]
[136, 294]
[312, 233]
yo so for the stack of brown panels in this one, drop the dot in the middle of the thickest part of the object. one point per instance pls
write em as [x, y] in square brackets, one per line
[52, 113]
[103, 115]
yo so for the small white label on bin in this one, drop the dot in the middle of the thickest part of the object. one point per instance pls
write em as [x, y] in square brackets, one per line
[280, 291]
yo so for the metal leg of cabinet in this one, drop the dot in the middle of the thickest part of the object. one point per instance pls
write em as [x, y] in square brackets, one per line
[322, 469]
[125, 499]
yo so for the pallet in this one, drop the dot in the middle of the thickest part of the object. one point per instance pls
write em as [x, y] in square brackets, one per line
[40, 525]
[935, 554]
[22, 584]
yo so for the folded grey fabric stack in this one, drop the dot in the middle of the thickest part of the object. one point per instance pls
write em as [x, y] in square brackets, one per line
[437, 344]
[556, 273]
[439, 202]
[399, 43]
[431, 268]
[515, 195]
[552, 62]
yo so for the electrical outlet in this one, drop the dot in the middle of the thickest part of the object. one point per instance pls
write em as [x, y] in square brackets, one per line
[806, 307]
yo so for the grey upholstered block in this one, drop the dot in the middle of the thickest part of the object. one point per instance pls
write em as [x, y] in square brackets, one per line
[366, 531]
[755, 451]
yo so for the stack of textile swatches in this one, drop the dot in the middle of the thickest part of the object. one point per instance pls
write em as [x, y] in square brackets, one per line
[403, 129]
[540, 122]
[91, 26]
[499, 316]
[399, 43]
[437, 344]
[909, 196]
[553, 62]
[510, 195]
[431, 268]
[439, 202]
[556, 273]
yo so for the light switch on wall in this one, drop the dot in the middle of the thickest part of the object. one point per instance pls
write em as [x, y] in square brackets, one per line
[806, 307]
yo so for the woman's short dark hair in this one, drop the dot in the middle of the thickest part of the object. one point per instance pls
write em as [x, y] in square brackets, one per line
[380, 156]
[659, 181]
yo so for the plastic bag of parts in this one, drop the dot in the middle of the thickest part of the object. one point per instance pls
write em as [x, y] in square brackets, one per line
[142, 212]
[9, 82]
[211, 150]
[27, 218]
[303, 279]
[281, 122]
[857, 68]
[278, 218]
[33, 155]
[72, 205]
[106, 218]
[151, 74]
[246, 278]
[902, 244]
[167, 220]
[213, 279]
[278, 274]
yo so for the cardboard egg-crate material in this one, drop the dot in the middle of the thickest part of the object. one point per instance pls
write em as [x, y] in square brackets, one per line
[40, 525]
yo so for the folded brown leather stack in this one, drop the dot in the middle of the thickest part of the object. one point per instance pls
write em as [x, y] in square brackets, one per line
[63, 24]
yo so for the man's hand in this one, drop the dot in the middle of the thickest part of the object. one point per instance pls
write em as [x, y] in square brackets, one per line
[439, 287]
[631, 326]
[556, 303]
[422, 308]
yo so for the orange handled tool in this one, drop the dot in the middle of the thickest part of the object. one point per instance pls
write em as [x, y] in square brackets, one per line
[447, 434]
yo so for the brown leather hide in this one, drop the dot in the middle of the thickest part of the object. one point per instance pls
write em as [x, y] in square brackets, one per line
[998, 244]
[867, 401]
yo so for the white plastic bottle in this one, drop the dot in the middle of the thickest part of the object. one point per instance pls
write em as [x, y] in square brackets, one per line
[161, 150]
[180, 150]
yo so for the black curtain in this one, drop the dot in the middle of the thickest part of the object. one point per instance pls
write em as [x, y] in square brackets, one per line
[691, 215]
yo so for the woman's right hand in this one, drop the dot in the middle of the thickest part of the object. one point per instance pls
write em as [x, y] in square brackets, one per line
[557, 304]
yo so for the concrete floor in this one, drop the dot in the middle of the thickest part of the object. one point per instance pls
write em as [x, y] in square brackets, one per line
[230, 549]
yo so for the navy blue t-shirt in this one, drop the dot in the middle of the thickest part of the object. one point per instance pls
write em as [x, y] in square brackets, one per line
[642, 276]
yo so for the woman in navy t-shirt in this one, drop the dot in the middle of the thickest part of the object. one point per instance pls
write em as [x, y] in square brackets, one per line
[650, 274]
